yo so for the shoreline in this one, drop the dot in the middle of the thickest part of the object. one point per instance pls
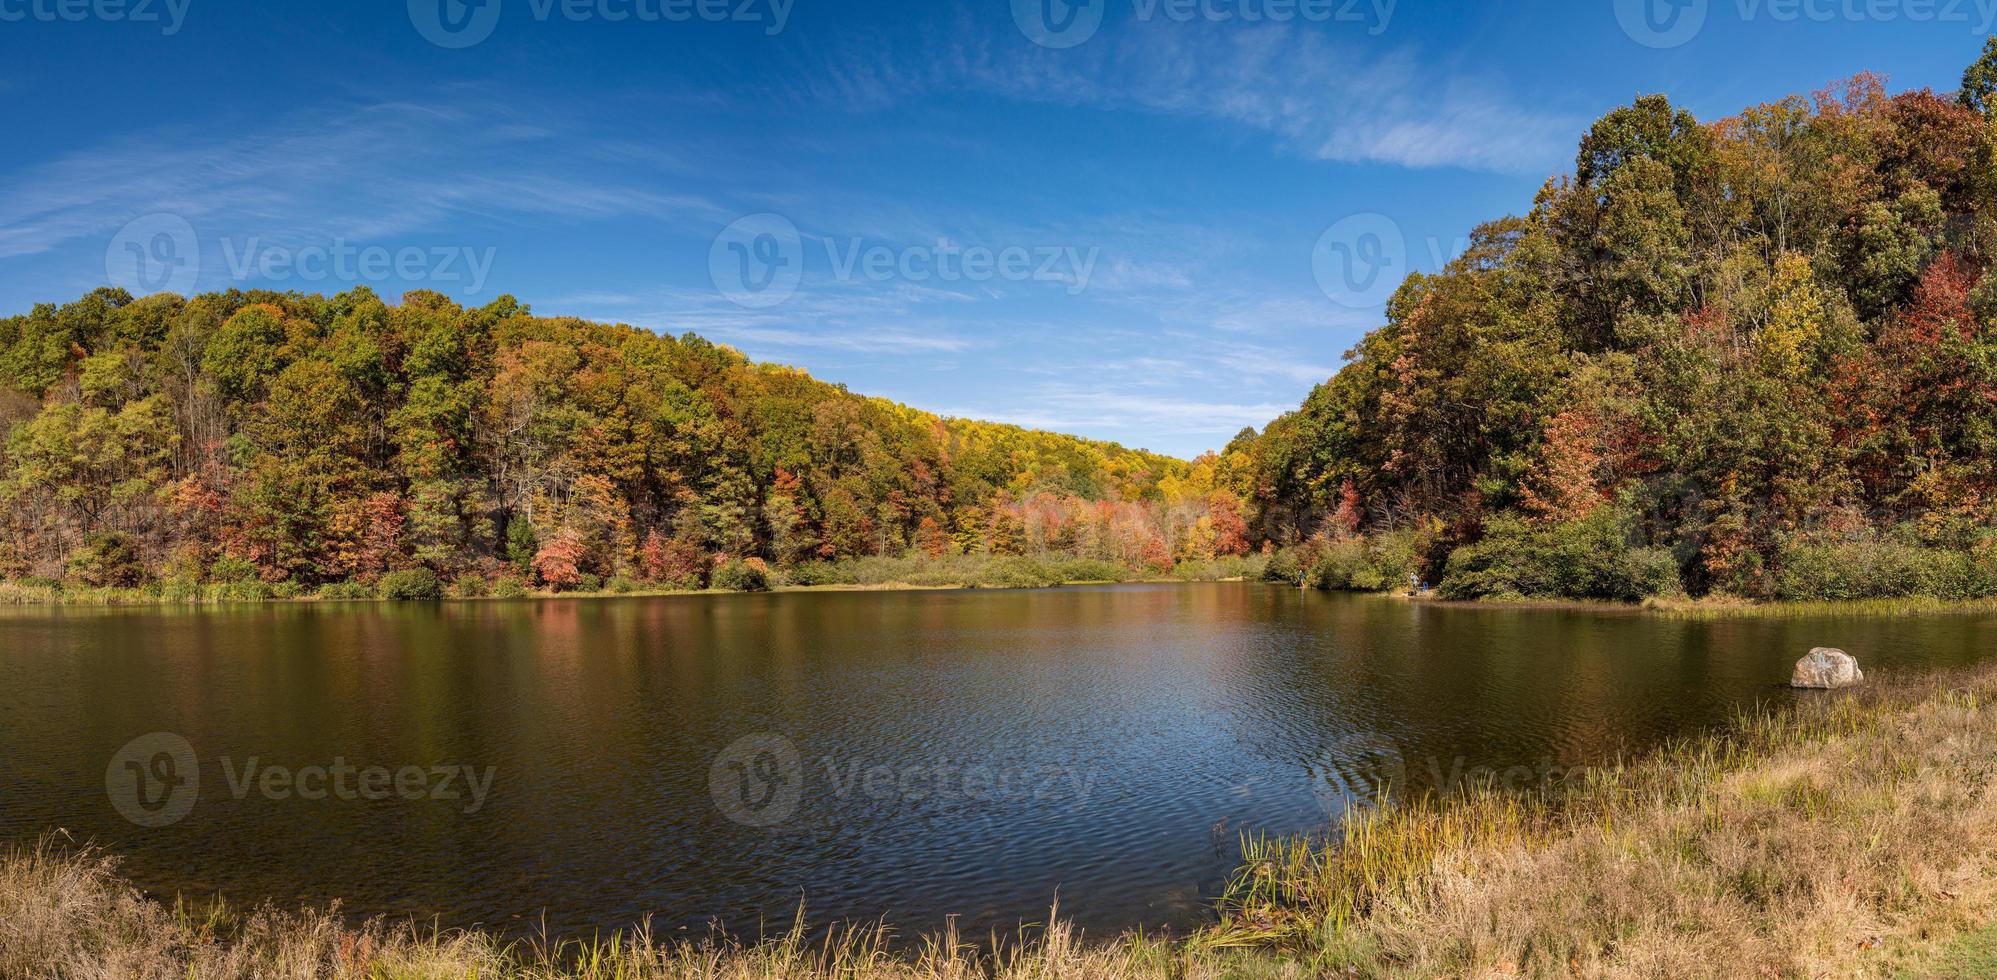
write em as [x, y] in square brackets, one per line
[1707, 608]
[16, 595]
[124, 599]
[1851, 834]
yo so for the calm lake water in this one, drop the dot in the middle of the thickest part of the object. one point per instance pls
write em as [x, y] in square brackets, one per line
[897, 755]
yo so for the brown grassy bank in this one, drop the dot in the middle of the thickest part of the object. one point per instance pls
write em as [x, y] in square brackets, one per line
[1850, 837]
[1854, 836]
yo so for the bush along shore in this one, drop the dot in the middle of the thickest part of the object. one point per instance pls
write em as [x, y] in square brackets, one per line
[915, 571]
[1601, 558]
[1852, 835]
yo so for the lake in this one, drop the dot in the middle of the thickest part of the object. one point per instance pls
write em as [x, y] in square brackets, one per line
[898, 755]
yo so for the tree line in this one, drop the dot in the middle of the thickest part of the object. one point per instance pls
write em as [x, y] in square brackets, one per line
[287, 442]
[1755, 356]
[1752, 357]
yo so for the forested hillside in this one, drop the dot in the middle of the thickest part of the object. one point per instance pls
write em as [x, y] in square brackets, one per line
[283, 442]
[1755, 356]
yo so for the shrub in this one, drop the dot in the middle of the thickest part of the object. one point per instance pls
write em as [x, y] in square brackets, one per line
[622, 584]
[1380, 562]
[1250, 567]
[742, 575]
[1014, 572]
[1088, 570]
[470, 585]
[251, 590]
[180, 590]
[1337, 563]
[109, 560]
[558, 564]
[412, 584]
[672, 562]
[508, 588]
[1286, 565]
[819, 573]
[229, 568]
[1883, 570]
[346, 590]
[1592, 558]
[23, 593]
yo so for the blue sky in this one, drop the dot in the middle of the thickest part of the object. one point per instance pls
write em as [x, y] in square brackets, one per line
[1154, 221]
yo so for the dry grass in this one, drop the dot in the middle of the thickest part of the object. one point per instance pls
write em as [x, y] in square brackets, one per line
[1856, 836]
[1853, 837]
[64, 913]
[1721, 607]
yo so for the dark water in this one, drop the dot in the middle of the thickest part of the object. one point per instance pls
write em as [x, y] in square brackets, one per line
[974, 753]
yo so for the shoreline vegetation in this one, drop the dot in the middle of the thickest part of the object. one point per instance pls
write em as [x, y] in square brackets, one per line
[1852, 834]
[17, 595]
[1313, 565]
[859, 575]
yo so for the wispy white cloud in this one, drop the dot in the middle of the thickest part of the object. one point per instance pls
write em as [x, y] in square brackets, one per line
[353, 171]
[868, 341]
[1074, 408]
[890, 320]
[1317, 96]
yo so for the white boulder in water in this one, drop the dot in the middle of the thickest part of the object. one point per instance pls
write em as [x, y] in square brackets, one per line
[1826, 669]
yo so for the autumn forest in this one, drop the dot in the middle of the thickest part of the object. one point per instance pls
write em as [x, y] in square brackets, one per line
[1753, 357]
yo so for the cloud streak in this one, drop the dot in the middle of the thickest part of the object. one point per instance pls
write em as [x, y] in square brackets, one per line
[349, 172]
[1317, 96]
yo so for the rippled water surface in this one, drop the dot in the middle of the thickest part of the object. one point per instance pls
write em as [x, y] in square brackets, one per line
[898, 755]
